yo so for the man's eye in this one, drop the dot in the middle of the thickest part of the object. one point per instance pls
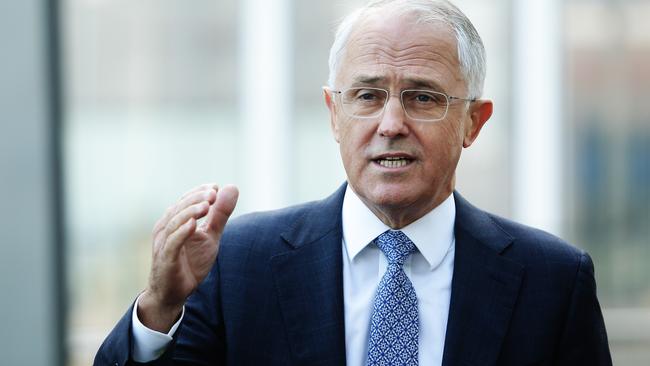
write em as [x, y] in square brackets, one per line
[424, 98]
[367, 96]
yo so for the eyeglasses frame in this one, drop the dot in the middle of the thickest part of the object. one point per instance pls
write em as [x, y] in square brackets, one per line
[449, 99]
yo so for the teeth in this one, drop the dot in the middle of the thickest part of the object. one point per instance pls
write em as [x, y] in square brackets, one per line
[393, 162]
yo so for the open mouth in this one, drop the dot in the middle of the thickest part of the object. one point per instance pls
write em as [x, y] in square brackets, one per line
[393, 161]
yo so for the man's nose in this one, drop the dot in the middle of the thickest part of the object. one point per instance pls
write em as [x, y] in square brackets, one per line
[392, 122]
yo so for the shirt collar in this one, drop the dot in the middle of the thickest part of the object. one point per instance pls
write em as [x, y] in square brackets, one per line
[432, 234]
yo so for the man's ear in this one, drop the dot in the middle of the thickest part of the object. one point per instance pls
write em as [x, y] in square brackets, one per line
[479, 112]
[329, 101]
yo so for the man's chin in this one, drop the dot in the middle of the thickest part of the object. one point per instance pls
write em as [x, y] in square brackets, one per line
[392, 196]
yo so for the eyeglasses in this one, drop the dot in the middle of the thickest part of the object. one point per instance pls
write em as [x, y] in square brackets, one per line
[418, 104]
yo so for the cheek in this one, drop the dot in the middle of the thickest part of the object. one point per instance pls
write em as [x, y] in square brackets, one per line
[442, 145]
[454, 130]
[452, 135]
[354, 137]
[349, 145]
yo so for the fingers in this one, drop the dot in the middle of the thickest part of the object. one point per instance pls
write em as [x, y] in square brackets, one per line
[180, 220]
[195, 211]
[206, 192]
[202, 187]
[182, 226]
[221, 210]
[175, 240]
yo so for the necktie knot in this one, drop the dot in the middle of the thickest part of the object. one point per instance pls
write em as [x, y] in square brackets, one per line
[395, 245]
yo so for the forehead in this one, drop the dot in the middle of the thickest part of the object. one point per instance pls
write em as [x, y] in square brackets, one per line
[397, 50]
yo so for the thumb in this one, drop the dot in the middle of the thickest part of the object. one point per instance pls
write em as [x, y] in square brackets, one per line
[221, 209]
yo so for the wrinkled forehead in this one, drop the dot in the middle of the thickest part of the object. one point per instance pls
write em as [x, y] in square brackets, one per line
[393, 47]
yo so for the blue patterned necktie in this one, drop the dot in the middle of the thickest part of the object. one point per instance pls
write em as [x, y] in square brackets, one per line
[394, 325]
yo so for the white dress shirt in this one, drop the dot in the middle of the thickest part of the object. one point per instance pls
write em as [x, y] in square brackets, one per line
[430, 269]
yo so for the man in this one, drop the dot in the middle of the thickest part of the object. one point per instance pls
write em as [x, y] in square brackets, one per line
[395, 268]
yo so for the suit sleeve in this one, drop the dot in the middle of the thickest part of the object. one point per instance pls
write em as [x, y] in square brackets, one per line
[198, 341]
[584, 339]
[116, 348]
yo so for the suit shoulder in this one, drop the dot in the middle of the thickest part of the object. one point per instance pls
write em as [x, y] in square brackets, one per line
[261, 231]
[273, 220]
[529, 241]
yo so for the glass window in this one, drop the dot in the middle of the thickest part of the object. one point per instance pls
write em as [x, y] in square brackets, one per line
[607, 111]
[151, 110]
[607, 47]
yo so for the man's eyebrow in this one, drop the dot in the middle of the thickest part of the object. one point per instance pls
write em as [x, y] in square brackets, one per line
[367, 80]
[423, 83]
[363, 80]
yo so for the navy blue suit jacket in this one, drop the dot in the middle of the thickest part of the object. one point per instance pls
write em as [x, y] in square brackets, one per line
[519, 296]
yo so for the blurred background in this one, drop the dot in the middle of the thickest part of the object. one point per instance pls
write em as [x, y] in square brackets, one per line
[110, 110]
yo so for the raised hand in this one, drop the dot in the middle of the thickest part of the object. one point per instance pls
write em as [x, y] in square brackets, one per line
[184, 252]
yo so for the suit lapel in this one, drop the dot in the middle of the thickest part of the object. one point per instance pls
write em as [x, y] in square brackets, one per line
[309, 283]
[485, 287]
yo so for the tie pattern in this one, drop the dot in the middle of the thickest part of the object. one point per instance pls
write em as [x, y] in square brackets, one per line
[394, 325]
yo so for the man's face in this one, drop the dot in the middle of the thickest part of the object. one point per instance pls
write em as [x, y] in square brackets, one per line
[396, 54]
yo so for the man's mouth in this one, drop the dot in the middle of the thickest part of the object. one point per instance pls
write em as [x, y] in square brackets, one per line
[393, 161]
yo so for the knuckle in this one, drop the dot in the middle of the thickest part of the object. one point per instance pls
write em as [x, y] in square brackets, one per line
[157, 237]
[200, 195]
[157, 246]
[200, 207]
[170, 210]
[169, 229]
[170, 239]
[191, 199]
[189, 212]
[157, 228]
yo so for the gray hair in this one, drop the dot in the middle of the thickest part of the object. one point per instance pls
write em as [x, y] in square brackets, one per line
[471, 52]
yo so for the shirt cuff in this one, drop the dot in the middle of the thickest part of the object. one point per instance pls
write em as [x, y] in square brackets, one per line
[149, 344]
